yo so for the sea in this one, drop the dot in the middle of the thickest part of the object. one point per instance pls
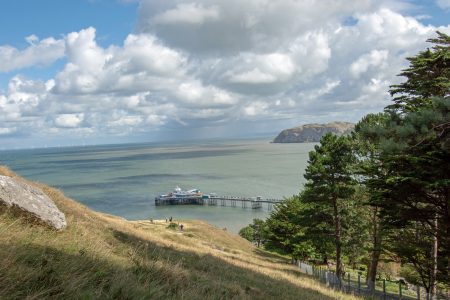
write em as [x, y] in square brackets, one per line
[124, 179]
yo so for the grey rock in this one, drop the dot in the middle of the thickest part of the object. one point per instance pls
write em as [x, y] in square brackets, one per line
[30, 200]
[312, 133]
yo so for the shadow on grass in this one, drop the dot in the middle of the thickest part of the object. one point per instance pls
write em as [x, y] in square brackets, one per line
[139, 270]
[227, 280]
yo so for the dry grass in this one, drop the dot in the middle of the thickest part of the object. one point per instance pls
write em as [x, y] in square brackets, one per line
[103, 256]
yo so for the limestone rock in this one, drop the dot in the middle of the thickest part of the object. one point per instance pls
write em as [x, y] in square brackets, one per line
[312, 133]
[30, 200]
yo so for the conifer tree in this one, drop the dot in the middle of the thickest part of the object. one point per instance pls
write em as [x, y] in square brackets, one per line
[367, 137]
[416, 190]
[428, 76]
[330, 184]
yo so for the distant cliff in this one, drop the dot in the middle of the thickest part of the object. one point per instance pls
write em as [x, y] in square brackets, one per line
[311, 133]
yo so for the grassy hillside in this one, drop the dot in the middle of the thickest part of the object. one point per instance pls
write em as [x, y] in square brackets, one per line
[103, 256]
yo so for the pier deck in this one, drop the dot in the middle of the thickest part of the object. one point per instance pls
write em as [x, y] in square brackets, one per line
[254, 203]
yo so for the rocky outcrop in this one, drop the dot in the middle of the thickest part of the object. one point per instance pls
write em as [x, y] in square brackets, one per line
[31, 201]
[312, 133]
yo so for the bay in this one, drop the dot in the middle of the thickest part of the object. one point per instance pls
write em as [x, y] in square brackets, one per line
[124, 179]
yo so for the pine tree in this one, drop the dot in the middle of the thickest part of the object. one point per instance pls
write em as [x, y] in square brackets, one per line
[330, 184]
[366, 136]
[427, 76]
[417, 154]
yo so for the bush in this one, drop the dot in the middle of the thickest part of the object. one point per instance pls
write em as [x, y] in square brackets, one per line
[173, 226]
[247, 233]
[410, 274]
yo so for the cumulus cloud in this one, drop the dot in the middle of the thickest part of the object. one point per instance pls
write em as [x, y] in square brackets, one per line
[376, 58]
[221, 64]
[139, 64]
[234, 26]
[262, 69]
[39, 52]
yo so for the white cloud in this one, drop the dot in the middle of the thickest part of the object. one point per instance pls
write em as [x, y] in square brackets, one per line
[135, 67]
[261, 69]
[255, 76]
[376, 58]
[39, 52]
[69, 120]
[221, 64]
[194, 94]
[188, 13]
[256, 108]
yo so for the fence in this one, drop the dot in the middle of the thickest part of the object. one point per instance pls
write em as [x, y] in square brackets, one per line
[356, 285]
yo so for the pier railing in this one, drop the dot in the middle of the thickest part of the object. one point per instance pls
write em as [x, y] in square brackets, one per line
[231, 201]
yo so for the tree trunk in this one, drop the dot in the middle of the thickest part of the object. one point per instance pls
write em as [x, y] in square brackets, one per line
[433, 276]
[376, 251]
[338, 230]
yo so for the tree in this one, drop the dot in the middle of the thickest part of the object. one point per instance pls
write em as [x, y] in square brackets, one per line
[367, 135]
[259, 231]
[357, 225]
[416, 191]
[247, 233]
[255, 232]
[282, 225]
[330, 184]
[428, 76]
[415, 152]
[294, 228]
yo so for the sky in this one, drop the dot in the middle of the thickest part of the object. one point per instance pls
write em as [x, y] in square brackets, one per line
[79, 72]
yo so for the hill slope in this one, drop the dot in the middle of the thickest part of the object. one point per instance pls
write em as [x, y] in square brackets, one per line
[310, 133]
[103, 256]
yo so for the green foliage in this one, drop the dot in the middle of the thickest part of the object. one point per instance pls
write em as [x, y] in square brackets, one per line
[247, 233]
[172, 226]
[256, 232]
[427, 76]
[283, 230]
[330, 185]
[328, 174]
[356, 223]
[408, 272]
[416, 190]
[407, 169]
[328, 214]
[259, 231]
[386, 189]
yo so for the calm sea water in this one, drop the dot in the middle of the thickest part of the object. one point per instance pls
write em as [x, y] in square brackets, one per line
[124, 179]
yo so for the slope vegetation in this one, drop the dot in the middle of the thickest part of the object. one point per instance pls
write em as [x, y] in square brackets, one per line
[103, 256]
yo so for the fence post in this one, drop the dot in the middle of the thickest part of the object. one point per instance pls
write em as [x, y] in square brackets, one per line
[418, 292]
[359, 283]
[326, 278]
[384, 288]
[400, 289]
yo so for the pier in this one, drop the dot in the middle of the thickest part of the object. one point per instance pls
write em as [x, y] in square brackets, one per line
[253, 203]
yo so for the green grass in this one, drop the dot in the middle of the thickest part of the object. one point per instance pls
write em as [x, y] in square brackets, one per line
[100, 256]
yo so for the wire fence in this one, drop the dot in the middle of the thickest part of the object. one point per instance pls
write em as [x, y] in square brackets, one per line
[356, 285]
